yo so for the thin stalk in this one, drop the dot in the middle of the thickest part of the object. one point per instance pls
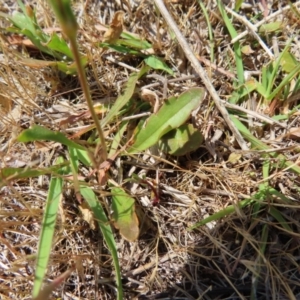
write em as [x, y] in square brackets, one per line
[87, 94]
[69, 26]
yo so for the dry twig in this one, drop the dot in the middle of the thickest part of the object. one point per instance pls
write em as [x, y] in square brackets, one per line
[198, 68]
[272, 16]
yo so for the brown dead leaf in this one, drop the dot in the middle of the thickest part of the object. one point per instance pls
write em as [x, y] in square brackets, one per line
[5, 103]
[17, 40]
[46, 291]
[87, 215]
[37, 63]
[151, 97]
[115, 28]
[294, 133]
[124, 216]
[129, 228]
[29, 11]
[129, 231]
[145, 221]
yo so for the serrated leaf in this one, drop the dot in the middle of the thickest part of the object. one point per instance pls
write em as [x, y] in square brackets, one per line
[182, 140]
[173, 113]
[124, 215]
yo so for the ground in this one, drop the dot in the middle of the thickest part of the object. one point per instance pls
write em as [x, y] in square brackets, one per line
[248, 188]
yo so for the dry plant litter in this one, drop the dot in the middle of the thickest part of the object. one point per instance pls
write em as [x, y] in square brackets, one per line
[217, 219]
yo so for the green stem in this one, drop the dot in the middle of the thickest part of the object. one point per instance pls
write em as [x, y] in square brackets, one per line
[87, 94]
[69, 26]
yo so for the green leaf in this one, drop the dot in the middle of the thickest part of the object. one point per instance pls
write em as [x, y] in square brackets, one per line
[67, 19]
[182, 140]
[47, 231]
[158, 64]
[272, 73]
[92, 200]
[222, 213]
[120, 48]
[173, 113]
[237, 53]
[21, 173]
[275, 213]
[58, 44]
[21, 21]
[259, 145]
[238, 5]
[124, 97]
[134, 42]
[125, 218]
[37, 41]
[39, 133]
[295, 72]
[118, 138]
[271, 27]
[261, 90]
[84, 157]
[288, 62]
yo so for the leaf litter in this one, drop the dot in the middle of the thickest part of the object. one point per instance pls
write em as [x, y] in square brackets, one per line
[235, 257]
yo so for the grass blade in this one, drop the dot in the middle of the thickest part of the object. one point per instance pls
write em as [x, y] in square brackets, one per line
[47, 231]
[40, 133]
[222, 213]
[125, 97]
[259, 145]
[236, 45]
[92, 200]
[21, 173]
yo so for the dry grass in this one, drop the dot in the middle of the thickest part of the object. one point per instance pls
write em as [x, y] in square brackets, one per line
[247, 252]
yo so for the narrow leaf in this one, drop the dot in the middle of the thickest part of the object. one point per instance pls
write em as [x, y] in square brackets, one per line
[47, 231]
[279, 217]
[67, 19]
[125, 97]
[259, 145]
[222, 213]
[90, 197]
[21, 173]
[40, 133]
